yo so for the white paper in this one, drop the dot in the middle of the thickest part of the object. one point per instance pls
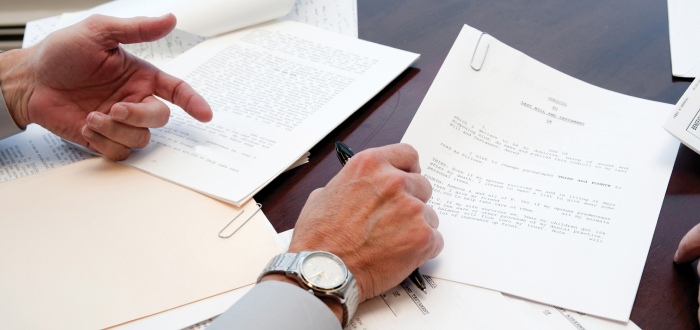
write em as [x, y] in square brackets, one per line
[547, 187]
[34, 151]
[204, 17]
[36, 31]
[276, 90]
[684, 24]
[162, 51]
[339, 16]
[286, 238]
[685, 123]
[447, 305]
[544, 317]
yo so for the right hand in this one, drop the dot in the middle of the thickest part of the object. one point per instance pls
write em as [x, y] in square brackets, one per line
[373, 215]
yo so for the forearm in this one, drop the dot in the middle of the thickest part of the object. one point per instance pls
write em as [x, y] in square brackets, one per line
[15, 83]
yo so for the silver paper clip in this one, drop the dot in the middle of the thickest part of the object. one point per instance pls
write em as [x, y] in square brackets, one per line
[241, 225]
[474, 55]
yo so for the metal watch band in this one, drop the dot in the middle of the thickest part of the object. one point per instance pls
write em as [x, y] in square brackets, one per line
[278, 265]
[287, 264]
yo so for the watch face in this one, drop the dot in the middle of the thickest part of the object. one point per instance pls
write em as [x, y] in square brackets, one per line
[324, 270]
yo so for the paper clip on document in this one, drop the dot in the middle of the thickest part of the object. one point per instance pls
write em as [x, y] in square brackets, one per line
[241, 225]
[477, 48]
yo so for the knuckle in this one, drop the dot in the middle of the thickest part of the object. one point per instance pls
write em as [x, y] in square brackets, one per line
[424, 236]
[393, 183]
[315, 193]
[415, 207]
[93, 25]
[409, 151]
[366, 161]
[430, 212]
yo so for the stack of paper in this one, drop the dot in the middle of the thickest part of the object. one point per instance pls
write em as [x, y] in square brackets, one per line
[276, 89]
[545, 186]
[38, 150]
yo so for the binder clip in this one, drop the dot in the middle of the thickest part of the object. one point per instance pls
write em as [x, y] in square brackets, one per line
[241, 225]
[477, 48]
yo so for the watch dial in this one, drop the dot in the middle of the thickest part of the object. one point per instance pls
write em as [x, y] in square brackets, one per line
[324, 270]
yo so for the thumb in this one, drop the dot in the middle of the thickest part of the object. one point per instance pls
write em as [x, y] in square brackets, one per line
[109, 31]
[689, 248]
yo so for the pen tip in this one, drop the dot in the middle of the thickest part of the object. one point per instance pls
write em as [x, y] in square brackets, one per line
[425, 291]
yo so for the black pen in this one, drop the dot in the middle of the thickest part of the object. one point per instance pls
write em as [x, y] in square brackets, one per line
[344, 153]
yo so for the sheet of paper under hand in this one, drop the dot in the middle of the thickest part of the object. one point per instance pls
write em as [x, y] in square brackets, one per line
[547, 187]
[544, 317]
[96, 244]
[35, 150]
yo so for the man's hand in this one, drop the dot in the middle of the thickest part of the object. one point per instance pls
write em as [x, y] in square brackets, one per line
[79, 84]
[373, 216]
[689, 250]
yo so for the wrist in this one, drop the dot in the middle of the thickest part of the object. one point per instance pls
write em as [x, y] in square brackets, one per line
[15, 84]
[334, 306]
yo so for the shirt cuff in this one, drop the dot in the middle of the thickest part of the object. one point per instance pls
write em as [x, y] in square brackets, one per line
[8, 127]
[274, 305]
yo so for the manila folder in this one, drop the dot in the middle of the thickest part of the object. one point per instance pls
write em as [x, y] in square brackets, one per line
[96, 244]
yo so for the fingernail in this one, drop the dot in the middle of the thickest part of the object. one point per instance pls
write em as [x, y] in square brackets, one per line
[119, 112]
[166, 15]
[95, 120]
[675, 257]
[87, 133]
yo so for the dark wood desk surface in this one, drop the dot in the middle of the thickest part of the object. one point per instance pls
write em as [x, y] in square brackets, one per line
[620, 45]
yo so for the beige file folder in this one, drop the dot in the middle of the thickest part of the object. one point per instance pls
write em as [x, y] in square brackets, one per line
[96, 244]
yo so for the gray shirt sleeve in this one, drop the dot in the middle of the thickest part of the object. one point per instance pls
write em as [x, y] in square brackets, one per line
[7, 124]
[277, 305]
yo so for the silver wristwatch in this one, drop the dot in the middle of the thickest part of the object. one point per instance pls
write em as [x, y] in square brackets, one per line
[321, 273]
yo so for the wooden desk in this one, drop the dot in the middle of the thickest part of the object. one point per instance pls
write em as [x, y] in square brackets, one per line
[618, 45]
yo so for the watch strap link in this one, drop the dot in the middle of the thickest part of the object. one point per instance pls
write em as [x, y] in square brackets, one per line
[352, 300]
[279, 264]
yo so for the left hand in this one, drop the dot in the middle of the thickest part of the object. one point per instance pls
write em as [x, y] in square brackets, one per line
[79, 84]
[689, 250]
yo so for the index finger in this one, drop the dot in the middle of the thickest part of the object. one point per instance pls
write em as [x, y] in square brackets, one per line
[183, 95]
[689, 248]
